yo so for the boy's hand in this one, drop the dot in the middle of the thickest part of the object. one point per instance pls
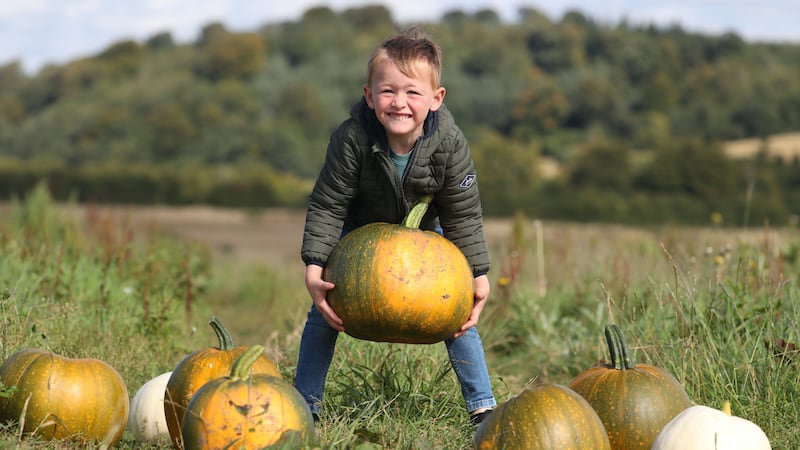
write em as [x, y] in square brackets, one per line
[482, 289]
[318, 288]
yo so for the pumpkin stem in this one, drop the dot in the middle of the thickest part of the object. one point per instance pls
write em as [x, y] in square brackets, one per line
[726, 407]
[618, 348]
[414, 217]
[224, 337]
[241, 367]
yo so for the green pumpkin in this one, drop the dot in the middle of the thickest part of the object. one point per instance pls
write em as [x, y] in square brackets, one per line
[634, 401]
[544, 417]
[397, 283]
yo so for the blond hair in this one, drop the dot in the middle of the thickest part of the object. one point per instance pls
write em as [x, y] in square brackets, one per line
[412, 51]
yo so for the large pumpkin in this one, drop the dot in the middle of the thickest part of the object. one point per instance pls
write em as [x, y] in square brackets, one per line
[62, 398]
[397, 283]
[147, 421]
[545, 417]
[200, 367]
[634, 401]
[246, 410]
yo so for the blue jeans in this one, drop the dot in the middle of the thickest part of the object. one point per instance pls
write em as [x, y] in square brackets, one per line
[316, 353]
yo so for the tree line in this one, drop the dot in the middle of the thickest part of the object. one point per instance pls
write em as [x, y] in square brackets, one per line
[633, 116]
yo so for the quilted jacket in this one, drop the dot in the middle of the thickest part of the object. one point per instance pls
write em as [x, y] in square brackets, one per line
[358, 184]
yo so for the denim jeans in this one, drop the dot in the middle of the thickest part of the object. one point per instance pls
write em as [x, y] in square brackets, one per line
[316, 353]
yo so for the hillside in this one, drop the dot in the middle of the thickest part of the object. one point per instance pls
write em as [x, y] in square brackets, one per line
[635, 118]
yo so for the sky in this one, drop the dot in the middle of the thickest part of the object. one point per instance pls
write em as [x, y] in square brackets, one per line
[40, 32]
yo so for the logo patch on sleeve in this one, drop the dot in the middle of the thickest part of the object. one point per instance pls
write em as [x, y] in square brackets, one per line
[468, 181]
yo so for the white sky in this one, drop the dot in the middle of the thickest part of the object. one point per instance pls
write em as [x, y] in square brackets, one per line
[37, 32]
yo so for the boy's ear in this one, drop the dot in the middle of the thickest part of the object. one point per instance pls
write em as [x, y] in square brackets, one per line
[438, 98]
[368, 96]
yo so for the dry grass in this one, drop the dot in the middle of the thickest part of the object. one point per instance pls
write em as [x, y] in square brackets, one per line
[785, 146]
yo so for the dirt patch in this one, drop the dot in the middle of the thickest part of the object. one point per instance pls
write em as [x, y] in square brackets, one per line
[271, 236]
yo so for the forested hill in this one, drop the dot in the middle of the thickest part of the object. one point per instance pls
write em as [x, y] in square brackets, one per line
[633, 117]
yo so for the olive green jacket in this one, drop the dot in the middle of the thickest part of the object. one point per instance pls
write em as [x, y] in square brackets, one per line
[359, 184]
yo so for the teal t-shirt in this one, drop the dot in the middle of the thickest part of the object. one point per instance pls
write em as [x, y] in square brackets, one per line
[400, 162]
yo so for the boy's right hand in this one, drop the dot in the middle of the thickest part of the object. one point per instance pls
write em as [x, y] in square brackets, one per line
[318, 288]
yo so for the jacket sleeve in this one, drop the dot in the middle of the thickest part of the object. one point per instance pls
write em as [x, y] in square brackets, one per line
[330, 199]
[459, 205]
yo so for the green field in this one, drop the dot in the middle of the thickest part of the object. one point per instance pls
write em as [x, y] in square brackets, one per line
[710, 305]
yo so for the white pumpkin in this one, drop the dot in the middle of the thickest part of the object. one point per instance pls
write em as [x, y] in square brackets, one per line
[703, 428]
[147, 420]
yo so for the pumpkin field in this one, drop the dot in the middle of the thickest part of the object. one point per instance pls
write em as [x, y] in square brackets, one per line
[715, 309]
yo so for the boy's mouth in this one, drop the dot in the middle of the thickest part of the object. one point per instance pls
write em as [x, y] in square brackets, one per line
[399, 117]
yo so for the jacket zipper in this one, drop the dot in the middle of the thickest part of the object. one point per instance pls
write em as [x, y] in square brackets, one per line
[391, 172]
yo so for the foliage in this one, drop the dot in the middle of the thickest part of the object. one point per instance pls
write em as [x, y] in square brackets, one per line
[716, 307]
[544, 86]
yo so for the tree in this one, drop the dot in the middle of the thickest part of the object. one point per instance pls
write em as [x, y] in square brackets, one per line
[228, 55]
[690, 166]
[602, 165]
[160, 41]
[540, 106]
[122, 58]
[508, 171]
[369, 18]
[171, 130]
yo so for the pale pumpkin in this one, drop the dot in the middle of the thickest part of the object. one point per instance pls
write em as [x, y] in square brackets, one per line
[200, 367]
[397, 283]
[244, 410]
[544, 417]
[147, 420]
[634, 401]
[63, 398]
[701, 427]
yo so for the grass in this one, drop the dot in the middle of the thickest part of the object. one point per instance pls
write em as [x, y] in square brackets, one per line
[713, 306]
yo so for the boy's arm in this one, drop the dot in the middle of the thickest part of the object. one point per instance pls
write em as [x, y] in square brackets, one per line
[459, 207]
[318, 288]
[482, 288]
[333, 192]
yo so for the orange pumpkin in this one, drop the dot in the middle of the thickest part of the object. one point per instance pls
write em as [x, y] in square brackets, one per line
[246, 410]
[634, 401]
[200, 367]
[85, 399]
[545, 417]
[397, 283]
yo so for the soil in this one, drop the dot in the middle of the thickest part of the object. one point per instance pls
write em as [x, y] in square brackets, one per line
[271, 236]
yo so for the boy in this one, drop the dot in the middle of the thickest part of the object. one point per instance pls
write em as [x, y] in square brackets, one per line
[399, 144]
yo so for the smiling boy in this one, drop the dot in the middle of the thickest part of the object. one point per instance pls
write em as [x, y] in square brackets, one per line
[399, 144]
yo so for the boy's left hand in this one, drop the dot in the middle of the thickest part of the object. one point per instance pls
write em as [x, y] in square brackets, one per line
[482, 288]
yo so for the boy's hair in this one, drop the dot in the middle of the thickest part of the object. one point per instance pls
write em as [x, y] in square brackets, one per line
[412, 51]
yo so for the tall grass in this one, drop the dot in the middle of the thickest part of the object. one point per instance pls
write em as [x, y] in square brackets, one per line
[718, 308]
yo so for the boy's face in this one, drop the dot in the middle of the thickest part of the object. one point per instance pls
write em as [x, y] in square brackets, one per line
[402, 103]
